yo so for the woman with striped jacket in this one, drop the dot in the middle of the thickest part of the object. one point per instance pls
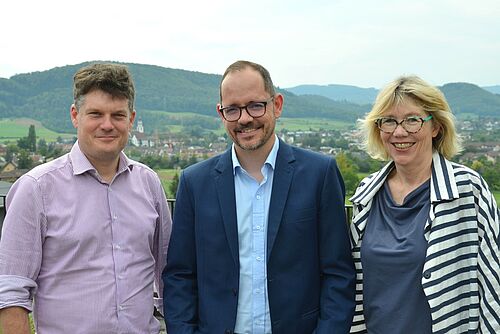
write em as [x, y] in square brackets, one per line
[425, 230]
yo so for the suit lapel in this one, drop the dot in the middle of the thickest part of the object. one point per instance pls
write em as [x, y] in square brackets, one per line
[282, 180]
[224, 181]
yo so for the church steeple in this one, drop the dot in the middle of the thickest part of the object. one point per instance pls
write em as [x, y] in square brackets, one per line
[140, 127]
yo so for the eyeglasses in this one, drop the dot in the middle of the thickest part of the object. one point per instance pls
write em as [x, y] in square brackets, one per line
[254, 109]
[411, 124]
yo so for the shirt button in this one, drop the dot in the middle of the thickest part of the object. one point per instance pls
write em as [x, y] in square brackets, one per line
[258, 258]
[120, 308]
[258, 227]
[117, 247]
[258, 196]
[120, 276]
[427, 274]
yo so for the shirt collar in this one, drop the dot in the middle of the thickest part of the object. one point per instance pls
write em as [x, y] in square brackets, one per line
[270, 160]
[81, 164]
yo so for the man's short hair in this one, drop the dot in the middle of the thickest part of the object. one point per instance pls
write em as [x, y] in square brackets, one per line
[113, 79]
[243, 64]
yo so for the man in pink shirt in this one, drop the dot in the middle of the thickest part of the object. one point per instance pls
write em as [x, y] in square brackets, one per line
[86, 235]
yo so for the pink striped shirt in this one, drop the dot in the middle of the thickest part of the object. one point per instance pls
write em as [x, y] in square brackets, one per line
[90, 253]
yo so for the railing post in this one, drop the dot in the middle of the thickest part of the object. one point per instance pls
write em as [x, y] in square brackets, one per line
[348, 209]
[3, 211]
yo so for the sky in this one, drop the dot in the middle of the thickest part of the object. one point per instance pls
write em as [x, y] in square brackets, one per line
[365, 43]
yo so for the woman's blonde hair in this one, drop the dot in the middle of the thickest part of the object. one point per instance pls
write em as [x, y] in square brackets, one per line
[432, 102]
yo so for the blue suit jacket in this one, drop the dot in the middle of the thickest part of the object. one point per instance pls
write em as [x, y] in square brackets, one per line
[309, 264]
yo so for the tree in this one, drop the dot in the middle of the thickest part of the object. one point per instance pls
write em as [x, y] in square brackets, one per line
[349, 173]
[12, 149]
[28, 143]
[32, 139]
[489, 171]
[477, 166]
[23, 143]
[173, 185]
[24, 160]
[43, 148]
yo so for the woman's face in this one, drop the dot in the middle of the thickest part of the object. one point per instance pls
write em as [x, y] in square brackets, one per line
[409, 149]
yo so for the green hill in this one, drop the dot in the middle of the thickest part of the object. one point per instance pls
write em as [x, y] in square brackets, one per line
[338, 92]
[464, 98]
[469, 98]
[46, 97]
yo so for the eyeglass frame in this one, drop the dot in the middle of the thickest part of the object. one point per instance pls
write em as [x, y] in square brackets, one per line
[221, 110]
[422, 121]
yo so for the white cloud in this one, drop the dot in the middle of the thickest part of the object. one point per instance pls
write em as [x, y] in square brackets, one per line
[360, 42]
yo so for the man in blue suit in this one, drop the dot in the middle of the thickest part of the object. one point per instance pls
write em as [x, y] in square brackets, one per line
[259, 242]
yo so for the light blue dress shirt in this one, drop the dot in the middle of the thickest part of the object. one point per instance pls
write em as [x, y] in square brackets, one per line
[252, 209]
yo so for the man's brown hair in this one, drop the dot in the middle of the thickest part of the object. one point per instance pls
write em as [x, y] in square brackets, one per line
[243, 64]
[113, 79]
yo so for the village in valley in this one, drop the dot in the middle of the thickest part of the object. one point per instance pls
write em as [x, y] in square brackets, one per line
[177, 150]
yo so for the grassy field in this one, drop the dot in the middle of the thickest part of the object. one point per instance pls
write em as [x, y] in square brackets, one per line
[291, 124]
[166, 176]
[304, 124]
[13, 129]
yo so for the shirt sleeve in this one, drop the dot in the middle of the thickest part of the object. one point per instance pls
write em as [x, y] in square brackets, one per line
[21, 244]
[162, 238]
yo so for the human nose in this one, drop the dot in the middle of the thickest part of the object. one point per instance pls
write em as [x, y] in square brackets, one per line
[400, 130]
[245, 116]
[107, 123]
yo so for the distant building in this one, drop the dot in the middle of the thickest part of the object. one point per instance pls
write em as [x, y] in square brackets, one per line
[138, 138]
[10, 172]
[140, 126]
[9, 167]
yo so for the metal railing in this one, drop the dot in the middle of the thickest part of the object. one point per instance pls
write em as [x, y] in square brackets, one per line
[348, 208]
[170, 202]
[3, 211]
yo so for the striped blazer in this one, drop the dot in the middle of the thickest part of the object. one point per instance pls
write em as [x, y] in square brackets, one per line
[461, 275]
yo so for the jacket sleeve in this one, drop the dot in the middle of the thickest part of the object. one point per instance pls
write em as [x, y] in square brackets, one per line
[488, 262]
[337, 267]
[180, 295]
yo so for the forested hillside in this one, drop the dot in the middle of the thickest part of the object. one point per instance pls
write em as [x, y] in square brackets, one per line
[46, 96]
[468, 98]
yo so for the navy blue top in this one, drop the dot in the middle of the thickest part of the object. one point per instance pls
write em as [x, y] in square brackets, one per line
[392, 255]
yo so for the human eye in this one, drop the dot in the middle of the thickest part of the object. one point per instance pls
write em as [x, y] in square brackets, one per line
[230, 110]
[256, 106]
[412, 120]
[387, 121]
[94, 114]
[120, 115]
